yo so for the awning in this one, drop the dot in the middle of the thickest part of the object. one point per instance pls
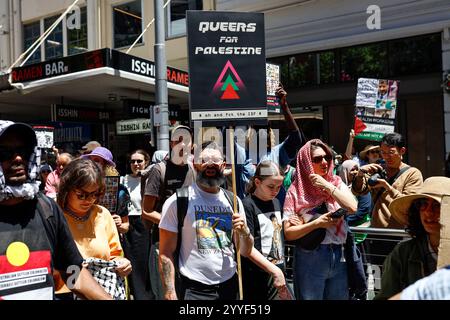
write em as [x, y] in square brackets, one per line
[98, 78]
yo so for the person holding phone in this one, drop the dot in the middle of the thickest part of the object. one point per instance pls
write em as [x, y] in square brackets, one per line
[320, 273]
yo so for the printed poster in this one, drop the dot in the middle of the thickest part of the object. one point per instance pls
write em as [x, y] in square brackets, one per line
[111, 196]
[273, 81]
[227, 68]
[376, 106]
[44, 136]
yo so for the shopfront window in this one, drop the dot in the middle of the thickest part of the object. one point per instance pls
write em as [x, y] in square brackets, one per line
[415, 55]
[31, 33]
[176, 15]
[302, 70]
[77, 39]
[54, 42]
[327, 67]
[368, 61]
[127, 23]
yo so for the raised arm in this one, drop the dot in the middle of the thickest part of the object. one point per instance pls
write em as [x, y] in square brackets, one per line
[348, 150]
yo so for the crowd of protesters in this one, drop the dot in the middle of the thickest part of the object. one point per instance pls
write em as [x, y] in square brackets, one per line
[177, 232]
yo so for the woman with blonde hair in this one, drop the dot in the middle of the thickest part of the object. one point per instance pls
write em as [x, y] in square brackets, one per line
[263, 271]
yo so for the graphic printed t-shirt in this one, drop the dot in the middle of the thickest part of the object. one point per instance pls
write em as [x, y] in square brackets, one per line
[264, 220]
[207, 251]
[28, 256]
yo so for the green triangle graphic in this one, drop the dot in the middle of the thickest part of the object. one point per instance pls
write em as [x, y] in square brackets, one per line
[229, 81]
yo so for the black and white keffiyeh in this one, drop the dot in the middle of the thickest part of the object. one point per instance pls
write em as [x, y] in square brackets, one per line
[104, 272]
[30, 188]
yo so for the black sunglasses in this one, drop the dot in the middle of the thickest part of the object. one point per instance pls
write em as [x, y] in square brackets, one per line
[7, 153]
[137, 160]
[319, 159]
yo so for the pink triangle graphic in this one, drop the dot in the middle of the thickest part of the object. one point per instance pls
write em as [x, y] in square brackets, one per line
[219, 82]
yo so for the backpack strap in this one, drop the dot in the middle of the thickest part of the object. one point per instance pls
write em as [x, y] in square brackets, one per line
[391, 182]
[182, 207]
[229, 195]
[404, 169]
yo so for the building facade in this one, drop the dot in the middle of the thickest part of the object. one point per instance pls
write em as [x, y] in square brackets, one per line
[323, 47]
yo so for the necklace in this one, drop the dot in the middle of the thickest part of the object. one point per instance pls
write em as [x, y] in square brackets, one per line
[76, 217]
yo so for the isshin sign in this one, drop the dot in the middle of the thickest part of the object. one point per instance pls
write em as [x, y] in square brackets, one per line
[227, 67]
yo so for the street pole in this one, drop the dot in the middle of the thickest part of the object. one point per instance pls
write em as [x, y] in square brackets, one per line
[161, 76]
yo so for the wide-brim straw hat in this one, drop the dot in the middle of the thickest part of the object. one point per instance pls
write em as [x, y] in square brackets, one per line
[366, 149]
[432, 188]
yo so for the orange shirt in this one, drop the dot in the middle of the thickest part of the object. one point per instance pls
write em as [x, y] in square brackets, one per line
[96, 237]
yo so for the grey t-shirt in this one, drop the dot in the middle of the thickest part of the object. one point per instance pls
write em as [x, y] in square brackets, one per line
[175, 178]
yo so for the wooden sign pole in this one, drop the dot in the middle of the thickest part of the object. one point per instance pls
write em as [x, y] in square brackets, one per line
[235, 210]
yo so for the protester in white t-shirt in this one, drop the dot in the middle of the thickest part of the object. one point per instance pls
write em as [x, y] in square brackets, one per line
[206, 261]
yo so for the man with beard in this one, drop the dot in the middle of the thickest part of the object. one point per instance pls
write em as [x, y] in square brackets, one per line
[34, 237]
[163, 180]
[206, 259]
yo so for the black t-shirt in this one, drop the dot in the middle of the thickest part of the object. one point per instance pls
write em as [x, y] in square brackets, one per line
[28, 253]
[174, 178]
[265, 224]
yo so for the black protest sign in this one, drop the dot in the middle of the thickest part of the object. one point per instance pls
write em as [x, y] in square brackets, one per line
[227, 67]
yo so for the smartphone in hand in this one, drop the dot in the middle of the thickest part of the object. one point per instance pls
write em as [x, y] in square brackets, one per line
[338, 213]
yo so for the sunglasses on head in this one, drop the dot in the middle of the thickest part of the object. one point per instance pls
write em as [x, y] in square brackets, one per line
[7, 153]
[136, 160]
[319, 159]
[81, 195]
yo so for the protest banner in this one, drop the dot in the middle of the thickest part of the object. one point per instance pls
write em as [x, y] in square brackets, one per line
[273, 80]
[227, 68]
[376, 106]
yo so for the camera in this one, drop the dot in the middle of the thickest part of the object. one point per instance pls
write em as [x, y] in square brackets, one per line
[380, 174]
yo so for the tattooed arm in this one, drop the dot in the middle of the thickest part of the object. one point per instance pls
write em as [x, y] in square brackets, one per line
[167, 247]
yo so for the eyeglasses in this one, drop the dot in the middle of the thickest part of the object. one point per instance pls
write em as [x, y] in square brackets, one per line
[319, 159]
[136, 160]
[9, 153]
[389, 153]
[45, 171]
[81, 195]
[212, 160]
